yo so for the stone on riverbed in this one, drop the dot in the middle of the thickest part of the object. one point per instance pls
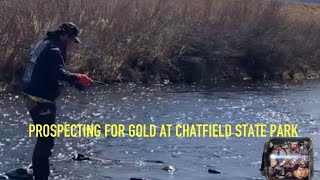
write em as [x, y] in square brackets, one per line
[80, 157]
[212, 171]
[19, 173]
[154, 161]
[169, 168]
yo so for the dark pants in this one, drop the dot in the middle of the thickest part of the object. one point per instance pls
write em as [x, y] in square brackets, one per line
[42, 113]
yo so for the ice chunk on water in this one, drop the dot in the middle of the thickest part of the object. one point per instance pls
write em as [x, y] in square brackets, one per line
[96, 114]
[61, 156]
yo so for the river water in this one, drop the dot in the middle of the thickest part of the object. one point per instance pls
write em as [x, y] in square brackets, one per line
[236, 158]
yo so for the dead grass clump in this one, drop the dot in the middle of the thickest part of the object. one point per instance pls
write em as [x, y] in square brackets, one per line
[180, 40]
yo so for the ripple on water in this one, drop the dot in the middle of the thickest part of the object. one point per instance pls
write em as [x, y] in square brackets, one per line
[131, 104]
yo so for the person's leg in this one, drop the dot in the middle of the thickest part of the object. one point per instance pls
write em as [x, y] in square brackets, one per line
[40, 158]
[42, 114]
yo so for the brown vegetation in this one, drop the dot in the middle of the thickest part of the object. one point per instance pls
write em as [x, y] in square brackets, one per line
[177, 40]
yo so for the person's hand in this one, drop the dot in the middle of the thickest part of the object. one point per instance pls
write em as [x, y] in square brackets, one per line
[84, 80]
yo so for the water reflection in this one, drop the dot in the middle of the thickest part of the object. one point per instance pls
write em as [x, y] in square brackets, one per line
[177, 105]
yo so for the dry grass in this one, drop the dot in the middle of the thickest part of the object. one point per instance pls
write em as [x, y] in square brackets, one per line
[303, 9]
[180, 40]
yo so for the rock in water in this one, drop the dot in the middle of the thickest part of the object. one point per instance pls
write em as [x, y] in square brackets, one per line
[80, 157]
[169, 168]
[212, 171]
[3, 176]
[154, 161]
[19, 173]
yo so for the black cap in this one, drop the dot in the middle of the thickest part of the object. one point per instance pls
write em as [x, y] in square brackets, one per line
[71, 29]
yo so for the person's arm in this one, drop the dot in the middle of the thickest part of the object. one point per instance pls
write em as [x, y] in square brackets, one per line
[61, 74]
[65, 75]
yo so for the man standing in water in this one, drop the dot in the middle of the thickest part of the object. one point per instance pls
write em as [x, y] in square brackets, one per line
[41, 83]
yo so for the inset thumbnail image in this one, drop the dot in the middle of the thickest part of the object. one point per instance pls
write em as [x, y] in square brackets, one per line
[288, 158]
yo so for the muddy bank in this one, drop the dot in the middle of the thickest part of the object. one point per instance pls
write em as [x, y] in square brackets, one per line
[192, 69]
[196, 71]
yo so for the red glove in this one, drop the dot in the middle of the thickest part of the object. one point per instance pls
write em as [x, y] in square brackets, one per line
[84, 80]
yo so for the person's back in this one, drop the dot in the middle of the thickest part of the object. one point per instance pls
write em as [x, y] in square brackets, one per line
[45, 69]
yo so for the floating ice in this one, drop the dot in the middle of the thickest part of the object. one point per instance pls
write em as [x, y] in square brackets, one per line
[96, 114]
[17, 113]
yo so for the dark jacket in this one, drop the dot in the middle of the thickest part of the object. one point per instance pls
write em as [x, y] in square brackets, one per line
[45, 69]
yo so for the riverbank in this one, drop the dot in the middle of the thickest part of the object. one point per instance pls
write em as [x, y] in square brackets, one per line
[171, 41]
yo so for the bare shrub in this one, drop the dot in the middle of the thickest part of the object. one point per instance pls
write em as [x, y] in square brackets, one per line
[147, 41]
